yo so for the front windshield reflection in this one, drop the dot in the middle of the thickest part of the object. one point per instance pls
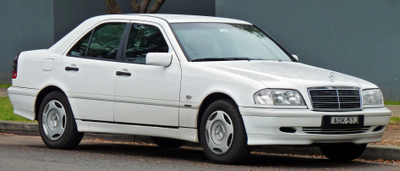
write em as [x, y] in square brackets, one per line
[202, 41]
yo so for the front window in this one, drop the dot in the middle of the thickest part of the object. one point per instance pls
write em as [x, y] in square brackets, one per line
[142, 40]
[213, 41]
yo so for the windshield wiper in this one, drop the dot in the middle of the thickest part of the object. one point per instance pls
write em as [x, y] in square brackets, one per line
[221, 59]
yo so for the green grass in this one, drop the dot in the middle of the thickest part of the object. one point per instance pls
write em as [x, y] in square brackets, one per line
[392, 102]
[6, 111]
[5, 85]
[395, 120]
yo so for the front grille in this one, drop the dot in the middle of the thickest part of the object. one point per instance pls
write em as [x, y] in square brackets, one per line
[318, 130]
[335, 98]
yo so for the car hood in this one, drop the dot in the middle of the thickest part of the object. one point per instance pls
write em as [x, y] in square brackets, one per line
[282, 74]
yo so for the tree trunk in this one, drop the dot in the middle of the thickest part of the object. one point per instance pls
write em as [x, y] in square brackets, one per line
[142, 7]
[135, 6]
[156, 6]
[112, 7]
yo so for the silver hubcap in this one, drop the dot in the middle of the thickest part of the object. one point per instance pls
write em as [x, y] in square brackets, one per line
[219, 132]
[54, 120]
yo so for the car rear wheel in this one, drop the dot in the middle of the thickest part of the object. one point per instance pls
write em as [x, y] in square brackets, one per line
[222, 133]
[167, 142]
[57, 125]
[343, 152]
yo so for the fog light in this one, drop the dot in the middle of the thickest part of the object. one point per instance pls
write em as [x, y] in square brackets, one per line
[379, 128]
[287, 129]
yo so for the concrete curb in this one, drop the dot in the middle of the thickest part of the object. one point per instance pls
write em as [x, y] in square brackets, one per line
[3, 92]
[395, 109]
[372, 152]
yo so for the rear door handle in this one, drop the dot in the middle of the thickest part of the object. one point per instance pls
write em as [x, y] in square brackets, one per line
[119, 73]
[67, 68]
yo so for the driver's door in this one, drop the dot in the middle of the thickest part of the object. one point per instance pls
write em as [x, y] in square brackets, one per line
[146, 94]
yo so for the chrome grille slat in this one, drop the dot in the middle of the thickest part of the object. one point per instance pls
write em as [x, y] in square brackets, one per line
[335, 98]
[318, 130]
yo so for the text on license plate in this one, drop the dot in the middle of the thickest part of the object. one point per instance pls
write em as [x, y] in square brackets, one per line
[344, 120]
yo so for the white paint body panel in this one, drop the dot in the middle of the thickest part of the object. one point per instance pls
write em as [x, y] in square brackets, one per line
[165, 101]
[181, 133]
[151, 94]
[262, 126]
[148, 84]
[188, 117]
[146, 114]
[92, 86]
[23, 101]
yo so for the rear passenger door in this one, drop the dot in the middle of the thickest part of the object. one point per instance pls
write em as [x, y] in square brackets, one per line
[147, 94]
[89, 69]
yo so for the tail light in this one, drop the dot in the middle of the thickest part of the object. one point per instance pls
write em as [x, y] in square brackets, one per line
[15, 67]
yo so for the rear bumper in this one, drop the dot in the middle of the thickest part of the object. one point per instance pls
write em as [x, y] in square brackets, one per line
[23, 101]
[263, 126]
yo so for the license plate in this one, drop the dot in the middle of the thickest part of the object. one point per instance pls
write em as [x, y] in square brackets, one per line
[344, 120]
[331, 121]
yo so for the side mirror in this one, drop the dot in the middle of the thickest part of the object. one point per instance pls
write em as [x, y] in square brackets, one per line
[295, 57]
[159, 59]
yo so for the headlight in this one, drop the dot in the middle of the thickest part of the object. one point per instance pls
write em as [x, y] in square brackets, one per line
[278, 97]
[372, 97]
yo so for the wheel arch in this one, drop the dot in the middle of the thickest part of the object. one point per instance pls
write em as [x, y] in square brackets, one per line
[206, 102]
[41, 95]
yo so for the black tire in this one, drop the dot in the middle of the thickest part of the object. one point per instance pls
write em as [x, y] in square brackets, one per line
[167, 142]
[57, 125]
[222, 133]
[342, 152]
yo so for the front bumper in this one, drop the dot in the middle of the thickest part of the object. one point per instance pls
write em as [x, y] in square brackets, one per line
[263, 126]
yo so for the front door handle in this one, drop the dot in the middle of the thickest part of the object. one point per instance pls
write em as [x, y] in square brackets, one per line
[119, 73]
[67, 68]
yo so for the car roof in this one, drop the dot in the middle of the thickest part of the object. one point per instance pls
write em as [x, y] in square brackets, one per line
[172, 18]
[67, 40]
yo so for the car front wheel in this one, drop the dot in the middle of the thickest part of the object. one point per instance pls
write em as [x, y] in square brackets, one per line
[222, 133]
[57, 125]
[342, 152]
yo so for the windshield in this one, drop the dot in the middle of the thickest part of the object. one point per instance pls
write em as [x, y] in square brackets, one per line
[222, 41]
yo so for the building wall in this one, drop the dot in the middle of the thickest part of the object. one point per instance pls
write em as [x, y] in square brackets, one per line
[28, 24]
[25, 25]
[357, 37]
[70, 13]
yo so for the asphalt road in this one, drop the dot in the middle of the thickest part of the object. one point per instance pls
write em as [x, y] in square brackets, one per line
[29, 153]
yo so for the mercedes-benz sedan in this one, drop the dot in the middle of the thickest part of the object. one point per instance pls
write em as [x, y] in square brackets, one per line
[221, 82]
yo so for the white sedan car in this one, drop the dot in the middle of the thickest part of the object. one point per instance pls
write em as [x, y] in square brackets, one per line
[221, 82]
